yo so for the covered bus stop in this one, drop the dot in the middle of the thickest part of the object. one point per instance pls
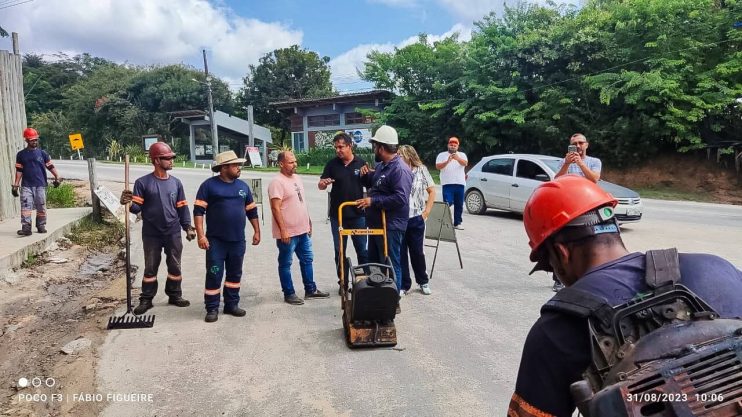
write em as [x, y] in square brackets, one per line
[233, 134]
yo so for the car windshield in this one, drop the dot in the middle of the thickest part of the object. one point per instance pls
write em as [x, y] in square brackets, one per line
[553, 164]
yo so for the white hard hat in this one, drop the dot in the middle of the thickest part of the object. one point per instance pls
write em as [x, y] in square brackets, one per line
[386, 134]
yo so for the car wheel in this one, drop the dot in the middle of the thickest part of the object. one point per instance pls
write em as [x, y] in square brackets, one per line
[475, 202]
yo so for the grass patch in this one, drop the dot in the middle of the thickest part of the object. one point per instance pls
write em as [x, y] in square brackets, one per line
[665, 193]
[96, 235]
[61, 197]
[32, 259]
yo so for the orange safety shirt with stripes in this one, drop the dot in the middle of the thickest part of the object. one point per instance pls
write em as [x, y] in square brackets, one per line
[162, 203]
[32, 164]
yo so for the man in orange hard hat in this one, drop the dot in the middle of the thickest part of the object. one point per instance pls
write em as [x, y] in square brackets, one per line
[572, 231]
[30, 166]
[160, 198]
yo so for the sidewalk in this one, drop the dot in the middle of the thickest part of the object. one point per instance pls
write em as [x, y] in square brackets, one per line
[15, 249]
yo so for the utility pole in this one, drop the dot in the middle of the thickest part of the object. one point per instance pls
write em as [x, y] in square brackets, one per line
[214, 137]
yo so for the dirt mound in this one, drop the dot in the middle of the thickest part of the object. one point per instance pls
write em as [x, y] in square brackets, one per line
[685, 173]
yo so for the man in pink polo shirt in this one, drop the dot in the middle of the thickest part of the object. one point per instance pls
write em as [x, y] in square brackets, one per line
[292, 229]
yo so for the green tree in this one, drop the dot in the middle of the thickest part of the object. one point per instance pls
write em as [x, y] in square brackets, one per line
[426, 77]
[287, 73]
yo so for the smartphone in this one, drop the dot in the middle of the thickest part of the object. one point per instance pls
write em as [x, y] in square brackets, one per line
[572, 148]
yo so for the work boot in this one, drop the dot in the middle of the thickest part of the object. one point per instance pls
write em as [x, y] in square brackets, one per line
[293, 300]
[179, 302]
[24, 232]
[41, 229]
[143, 306]
[235, 311]
[316, 294]
[212, 316]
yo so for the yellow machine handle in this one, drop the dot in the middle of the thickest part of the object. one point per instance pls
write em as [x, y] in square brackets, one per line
[349, 232]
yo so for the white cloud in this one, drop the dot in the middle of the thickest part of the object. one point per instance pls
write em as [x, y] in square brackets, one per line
[148, 32]
[345, 66]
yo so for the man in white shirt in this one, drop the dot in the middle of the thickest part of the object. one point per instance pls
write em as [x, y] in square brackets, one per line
[451, 164]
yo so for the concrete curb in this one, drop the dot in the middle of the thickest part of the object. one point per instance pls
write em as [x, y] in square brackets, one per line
[72, 217]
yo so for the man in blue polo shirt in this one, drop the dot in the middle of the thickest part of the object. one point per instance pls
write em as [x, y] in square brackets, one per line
[389, 187]
[225, 201]
[30, 165]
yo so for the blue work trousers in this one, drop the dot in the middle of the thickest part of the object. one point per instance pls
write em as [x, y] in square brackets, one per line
[223, 257]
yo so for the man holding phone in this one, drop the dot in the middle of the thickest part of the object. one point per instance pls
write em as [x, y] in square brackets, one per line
[452, 164]
[577, 162]
[344, 173]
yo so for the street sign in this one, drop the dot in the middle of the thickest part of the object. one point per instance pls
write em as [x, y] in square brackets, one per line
[254, 154]
[111, 202]
[76, 141]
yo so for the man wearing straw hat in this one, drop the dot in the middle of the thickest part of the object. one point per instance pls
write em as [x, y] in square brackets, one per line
[225, 201]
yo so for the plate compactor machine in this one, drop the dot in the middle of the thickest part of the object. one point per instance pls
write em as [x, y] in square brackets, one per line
[369, 293]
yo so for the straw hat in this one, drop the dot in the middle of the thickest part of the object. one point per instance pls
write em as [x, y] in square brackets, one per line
[225, 158]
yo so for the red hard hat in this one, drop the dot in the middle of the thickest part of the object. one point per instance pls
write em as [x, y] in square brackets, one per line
[30, 133]
[160, 150]
[555, 203]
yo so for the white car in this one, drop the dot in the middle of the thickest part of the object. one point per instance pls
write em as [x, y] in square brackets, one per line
[505, 182]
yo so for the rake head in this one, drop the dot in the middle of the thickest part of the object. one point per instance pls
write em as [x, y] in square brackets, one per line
[130, 322]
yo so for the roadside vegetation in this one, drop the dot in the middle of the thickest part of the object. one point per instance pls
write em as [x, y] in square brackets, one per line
[97, 235]
[61, 197]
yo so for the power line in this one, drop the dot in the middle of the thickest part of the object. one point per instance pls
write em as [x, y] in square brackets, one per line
[18, 3]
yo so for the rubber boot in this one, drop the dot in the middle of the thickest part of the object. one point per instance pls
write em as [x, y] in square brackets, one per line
[143, 306]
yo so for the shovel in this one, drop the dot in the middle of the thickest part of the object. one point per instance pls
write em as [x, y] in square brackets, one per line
[129, 320]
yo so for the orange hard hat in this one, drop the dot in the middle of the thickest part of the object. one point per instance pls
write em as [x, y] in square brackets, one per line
[30, 133]
[556, 203]
[160, 150]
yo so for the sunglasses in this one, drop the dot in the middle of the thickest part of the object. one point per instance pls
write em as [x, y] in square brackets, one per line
[167, 158]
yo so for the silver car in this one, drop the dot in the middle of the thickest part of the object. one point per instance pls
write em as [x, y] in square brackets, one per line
[505, 182]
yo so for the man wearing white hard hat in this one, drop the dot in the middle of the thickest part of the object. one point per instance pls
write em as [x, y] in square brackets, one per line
[389, 188]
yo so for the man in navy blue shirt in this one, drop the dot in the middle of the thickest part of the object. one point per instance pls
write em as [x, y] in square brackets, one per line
[344, 174]
[31, 164]
[225, 201]
[389, 187]
[160, 198]
[572, 231]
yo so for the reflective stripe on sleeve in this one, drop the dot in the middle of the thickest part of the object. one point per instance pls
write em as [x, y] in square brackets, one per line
[137, 199]
[521, 408]
[181, 203]
[250, 206]
[201, 203]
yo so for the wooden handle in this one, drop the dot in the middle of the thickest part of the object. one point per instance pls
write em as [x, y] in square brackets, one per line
[126, 172]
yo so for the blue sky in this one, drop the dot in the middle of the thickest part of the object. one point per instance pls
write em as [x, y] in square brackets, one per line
[236, 33]
[333, 27]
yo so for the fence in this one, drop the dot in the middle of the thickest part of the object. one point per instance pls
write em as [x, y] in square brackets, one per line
[12, 123]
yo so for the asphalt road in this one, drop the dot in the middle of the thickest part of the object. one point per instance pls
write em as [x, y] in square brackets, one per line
[458, 348]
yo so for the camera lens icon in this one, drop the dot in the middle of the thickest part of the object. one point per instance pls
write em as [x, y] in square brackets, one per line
[23, 382]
